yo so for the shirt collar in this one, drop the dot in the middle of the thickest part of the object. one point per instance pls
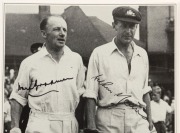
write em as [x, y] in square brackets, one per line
[44, 51]
[113, 47]
[137, 49]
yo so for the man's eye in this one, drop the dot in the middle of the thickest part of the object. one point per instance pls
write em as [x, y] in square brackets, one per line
[132, 26]
[56, 29]
[64, 29]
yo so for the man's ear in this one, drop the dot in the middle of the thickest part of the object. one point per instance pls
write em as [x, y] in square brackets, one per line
[113, 25]
[43, 33]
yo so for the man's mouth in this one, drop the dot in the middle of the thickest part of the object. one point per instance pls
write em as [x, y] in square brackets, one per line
[61, 40]
[127, 37]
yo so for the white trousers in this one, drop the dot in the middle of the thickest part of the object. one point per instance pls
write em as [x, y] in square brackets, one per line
[52, 123]
[121, 119]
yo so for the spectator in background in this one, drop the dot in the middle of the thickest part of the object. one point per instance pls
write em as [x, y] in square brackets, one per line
[8, 87]
[150, 83]
[166, 99]
[9, 80]
[35, 47]
[7, 112]
[169, 95]
[6, 71]
[159, 109]
[11, 74]
[173, 104]
[173, 108]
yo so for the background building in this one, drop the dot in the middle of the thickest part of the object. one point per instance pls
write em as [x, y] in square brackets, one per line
[157, 32]
[86, 33]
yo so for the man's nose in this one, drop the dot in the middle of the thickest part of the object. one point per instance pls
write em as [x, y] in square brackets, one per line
[128, 29]
[62, 33]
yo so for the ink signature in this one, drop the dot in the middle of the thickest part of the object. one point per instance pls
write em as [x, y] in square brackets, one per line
[103, 83]
[36, 86]
[135, 107]
[43, 94]
[123, 100]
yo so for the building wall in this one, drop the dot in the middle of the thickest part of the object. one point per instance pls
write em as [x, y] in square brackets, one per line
[143, 26]
[157, 17]
[157, 32]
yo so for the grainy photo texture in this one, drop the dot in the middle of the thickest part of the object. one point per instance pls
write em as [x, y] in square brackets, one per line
[89, 68]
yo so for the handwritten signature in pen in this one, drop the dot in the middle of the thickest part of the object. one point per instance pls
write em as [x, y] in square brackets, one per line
[36, 86]
[124, 100]
[103, 83]
[135, 107]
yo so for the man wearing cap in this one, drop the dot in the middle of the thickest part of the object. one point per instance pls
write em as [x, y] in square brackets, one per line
[51, 81]
[117, 81]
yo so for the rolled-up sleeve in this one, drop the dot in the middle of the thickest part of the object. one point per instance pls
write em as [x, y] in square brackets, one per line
[92, 86]
[81, 77]
[146, 88]
[21, 85]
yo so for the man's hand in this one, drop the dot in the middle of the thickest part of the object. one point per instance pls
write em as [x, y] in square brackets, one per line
[91, 131]
[16, 109]
[90, 113]
[151, 126]
[15, 130]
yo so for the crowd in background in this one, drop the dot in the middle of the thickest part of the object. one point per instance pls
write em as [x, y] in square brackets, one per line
[10, 75]
[8, 85]
[166, 96]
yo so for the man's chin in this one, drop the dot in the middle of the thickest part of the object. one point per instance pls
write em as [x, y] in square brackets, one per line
[61, 44]
[127, 41]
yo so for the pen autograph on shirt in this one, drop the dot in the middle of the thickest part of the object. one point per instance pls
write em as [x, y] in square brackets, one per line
[36, 86]
[103, 83]
[135, 107]
[124, 101]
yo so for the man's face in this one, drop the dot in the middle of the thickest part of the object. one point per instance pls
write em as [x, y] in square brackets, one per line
[55, 32]
[125, 31]
[156, 95]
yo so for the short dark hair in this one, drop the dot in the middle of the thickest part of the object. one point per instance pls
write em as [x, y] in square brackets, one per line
[44, 21]
[34, 47]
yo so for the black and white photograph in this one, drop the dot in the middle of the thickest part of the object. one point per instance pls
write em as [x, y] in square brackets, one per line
[89, 68]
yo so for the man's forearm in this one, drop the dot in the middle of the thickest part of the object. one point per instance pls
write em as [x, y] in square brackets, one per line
[90, 113]
[146, 99]
[16, 110]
